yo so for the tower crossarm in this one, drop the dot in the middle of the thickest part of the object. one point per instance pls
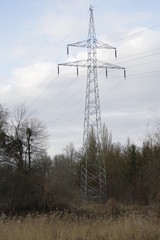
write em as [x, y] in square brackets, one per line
[99, 64]
[106, 65]
[82, 63]
[100, 44]
[79, 44]
[86, 44]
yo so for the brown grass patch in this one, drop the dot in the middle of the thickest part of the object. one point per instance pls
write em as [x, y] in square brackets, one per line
[69, 226]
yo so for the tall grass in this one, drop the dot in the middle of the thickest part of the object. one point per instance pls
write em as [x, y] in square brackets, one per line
[68, 227]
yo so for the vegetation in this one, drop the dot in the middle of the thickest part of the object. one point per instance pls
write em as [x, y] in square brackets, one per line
[66, 226]
[31, 181]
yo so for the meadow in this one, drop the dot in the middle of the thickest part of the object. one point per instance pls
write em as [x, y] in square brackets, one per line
[89, 223]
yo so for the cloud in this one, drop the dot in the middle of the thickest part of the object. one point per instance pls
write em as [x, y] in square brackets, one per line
[59, 101]
[25, 82]
[56, 26]
[127, 108]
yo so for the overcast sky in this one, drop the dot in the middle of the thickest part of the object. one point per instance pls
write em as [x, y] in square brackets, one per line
[33, 39]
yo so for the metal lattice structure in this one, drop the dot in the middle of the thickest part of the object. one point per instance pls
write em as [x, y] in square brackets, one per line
[93, 172]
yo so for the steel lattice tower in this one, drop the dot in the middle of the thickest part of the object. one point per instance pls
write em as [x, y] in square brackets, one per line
[93, 172]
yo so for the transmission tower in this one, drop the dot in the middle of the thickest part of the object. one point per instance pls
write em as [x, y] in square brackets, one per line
[93, 171]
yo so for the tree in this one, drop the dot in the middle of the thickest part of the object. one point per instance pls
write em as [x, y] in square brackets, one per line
[106, 140]
[3, 129]
[65, 177]
[27, 138]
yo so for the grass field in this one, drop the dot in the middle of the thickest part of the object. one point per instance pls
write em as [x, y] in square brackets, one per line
[133, 225]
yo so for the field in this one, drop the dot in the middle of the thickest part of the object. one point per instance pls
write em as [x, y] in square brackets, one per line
[111, 224]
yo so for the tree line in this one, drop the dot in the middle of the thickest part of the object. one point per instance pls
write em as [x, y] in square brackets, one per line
[30, 179]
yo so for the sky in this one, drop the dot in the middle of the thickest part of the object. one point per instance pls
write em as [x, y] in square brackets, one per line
[33, 39]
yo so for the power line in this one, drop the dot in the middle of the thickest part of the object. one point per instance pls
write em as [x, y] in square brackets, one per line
[27, 98]
[133, 59]
[54, 51]
[119, 62]
[133, 76]
[140, 32]
[59, 94]
[44, 90]
[47, 87]
[117, 85]
[81, 100]
[123, 61]
[136, 33]
[108, 92]
[144, 52]
[142, 64]
[129, 76]
[126, 37]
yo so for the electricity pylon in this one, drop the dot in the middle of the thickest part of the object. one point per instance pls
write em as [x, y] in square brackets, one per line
[93, 172]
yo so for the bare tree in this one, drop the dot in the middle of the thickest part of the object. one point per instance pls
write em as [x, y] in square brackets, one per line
[106, 139]
[3, 128]
[28, 137]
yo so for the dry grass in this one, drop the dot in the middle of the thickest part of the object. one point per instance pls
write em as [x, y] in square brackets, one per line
[65, 226]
